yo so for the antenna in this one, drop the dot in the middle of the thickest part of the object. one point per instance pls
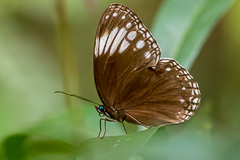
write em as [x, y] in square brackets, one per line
[73, 95]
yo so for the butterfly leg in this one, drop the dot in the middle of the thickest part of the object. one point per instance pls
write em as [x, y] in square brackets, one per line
[105, 126]
[100, 126]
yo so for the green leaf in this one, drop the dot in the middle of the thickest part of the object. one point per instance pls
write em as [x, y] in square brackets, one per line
[13, 147]
[117, 147]
[182, 27]
[155, 145]
[33, 147]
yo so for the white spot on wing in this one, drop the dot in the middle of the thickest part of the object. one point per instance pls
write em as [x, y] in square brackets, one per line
[195, 100]
[193, 92]
[182, 100]
[165, 60]
[96, 46]
[102, 42]
[194, 85]
[140, 44]
[196, 92]
[123, 17]
[124, 46]
[190, 84]
[115, 14]
[122, 32]
[132, 35]
[194, 107]
[154, 45]
[107, 16]
[128, 25]
[147, 55]
[140, 25]
[110, 38]
[168, 69]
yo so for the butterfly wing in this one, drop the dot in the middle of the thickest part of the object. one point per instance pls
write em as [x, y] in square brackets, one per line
[168, 96]
[130, 77]
[123, 45]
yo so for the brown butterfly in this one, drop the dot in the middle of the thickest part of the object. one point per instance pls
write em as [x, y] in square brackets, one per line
[133, 82]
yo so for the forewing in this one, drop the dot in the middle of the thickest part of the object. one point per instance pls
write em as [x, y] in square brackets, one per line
[123, 47]
[166, 95]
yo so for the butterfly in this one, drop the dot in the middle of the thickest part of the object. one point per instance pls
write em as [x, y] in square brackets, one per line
[134, 84]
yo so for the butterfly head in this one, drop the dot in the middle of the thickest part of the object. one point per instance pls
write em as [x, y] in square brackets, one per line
[101, 109]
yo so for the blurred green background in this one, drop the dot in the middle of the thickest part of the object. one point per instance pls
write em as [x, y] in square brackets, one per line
[48, 45]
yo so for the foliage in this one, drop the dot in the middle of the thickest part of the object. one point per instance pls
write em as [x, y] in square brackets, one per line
[34, 126]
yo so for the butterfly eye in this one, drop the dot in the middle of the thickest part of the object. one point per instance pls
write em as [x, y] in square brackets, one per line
[101, 109]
